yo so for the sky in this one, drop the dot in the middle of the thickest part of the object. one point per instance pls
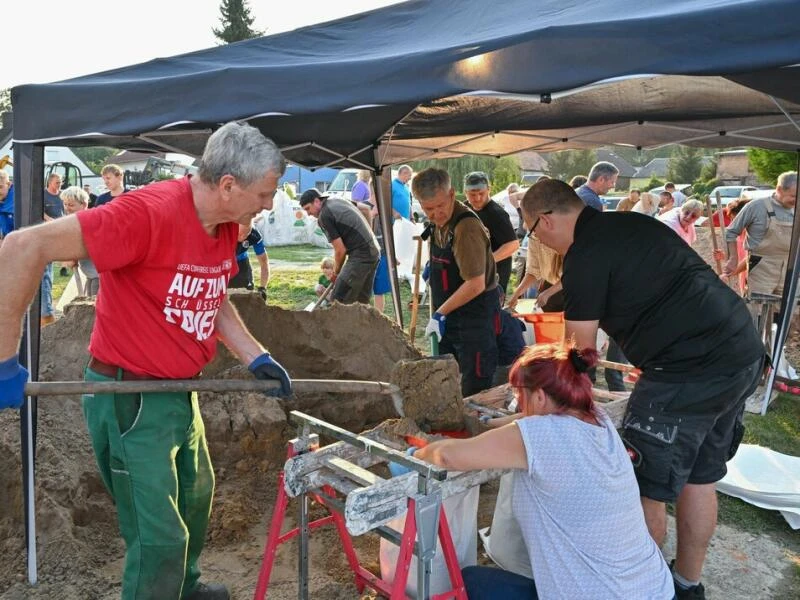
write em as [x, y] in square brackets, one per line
[51, 40]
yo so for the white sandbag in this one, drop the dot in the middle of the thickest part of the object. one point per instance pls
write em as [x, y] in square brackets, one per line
[765, 478]
[287, 224]
[405, 247]
[462, 517]
[509, 551]
[71, 291]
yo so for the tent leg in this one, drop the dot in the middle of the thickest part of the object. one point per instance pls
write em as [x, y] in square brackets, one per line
[383, 197]
[787, 304]
[29, 175]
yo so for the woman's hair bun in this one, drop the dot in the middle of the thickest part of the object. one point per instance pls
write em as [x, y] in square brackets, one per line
[581, 366]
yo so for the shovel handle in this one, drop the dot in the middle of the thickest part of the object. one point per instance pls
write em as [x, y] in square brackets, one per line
[72, 388]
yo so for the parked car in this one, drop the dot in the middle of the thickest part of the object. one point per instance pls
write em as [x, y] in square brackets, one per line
[611, 202]
[728, 193]
[683, 188]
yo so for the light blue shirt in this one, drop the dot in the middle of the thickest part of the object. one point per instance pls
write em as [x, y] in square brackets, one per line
[401, 199]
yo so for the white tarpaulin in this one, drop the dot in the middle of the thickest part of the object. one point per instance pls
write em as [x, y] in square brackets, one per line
[765, 478]
[287, 224]
[405, 248]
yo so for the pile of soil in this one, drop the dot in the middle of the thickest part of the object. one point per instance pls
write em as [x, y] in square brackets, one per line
[431, 392]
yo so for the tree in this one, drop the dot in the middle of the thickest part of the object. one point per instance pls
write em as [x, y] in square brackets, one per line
[565, 165]
[5, 101]
[506, 170]
[685, 164]
[559, 165]
[768, 164]
[236, 22]
[94, 157]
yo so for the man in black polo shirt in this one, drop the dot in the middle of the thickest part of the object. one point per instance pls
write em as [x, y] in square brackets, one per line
[352, 239]
[502, 236]
[691, 336]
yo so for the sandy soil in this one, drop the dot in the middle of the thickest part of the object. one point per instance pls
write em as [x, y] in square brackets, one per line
[79, 550]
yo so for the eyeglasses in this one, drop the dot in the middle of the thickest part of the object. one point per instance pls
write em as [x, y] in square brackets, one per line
[536, 222]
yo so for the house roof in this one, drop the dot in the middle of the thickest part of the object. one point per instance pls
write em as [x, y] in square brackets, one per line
[626, 169]
[532, 161]
[655, 168]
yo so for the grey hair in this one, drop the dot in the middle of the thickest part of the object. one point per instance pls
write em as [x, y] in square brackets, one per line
[602, 169]
[512, 188]
[75, 193]
[364, 175]
[787, 180]
[430, 182]
[403, 168]
[692, 207]
[242, 151]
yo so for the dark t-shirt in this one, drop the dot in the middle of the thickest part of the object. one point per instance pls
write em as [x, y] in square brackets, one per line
[496, 220]
[53, 207]
[340, 219]
[106, 198]
[665, 307]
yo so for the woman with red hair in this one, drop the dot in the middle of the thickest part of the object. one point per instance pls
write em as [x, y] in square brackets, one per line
[575, 495]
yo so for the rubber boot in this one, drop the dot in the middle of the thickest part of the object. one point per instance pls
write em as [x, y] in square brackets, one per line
[209, 591]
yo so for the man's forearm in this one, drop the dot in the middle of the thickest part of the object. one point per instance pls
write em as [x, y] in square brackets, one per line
[233, 333]
[506, 250]
[468, 290]
[732, 250]
[338, 260]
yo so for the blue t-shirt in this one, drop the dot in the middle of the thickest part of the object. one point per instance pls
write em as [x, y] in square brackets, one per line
[360, 192]
[7, 213]
[53, 207]
[401, 199]
[589, 197]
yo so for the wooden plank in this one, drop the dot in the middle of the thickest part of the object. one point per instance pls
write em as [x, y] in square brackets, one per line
[352, 471]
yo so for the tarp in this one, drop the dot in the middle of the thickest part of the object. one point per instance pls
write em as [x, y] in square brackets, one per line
[328, 92]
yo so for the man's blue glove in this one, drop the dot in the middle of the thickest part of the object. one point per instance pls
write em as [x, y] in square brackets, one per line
[13, 377]
[396, 469]
[265, 367]
[426, 272]
[436, 326]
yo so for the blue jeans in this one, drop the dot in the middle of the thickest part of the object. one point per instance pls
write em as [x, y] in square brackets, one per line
[488, 583]
[47, 291]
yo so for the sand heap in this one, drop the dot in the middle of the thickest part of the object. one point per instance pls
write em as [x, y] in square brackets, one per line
[76, 522]
[431, 392]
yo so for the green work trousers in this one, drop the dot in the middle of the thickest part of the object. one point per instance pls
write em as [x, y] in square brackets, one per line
[153, 458]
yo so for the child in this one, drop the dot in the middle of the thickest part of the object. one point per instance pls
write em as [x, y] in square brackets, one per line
[327, 275]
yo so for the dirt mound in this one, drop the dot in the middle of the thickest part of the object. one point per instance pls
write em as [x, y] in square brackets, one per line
[431, 392]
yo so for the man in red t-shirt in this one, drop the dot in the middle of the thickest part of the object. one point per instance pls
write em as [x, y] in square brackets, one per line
[165, 254]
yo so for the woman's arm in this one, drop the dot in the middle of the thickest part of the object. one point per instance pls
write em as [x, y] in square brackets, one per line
[495, 449]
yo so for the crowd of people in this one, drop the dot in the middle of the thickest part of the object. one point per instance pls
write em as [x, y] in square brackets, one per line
[584, 495]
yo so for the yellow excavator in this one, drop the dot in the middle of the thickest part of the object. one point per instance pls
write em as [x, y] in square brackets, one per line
[70, 173]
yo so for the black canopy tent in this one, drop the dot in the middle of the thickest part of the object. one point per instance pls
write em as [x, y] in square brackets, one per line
[439, 78]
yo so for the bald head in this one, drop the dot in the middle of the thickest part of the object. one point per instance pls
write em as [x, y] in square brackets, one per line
[550, 209]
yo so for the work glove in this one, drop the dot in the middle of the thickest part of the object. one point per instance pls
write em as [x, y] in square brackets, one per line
[426, 272]
[397, 469]
[263, 292]
[13, 377]
[265, 367]
[436, 326]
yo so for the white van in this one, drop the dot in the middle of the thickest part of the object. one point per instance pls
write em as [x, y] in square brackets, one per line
[342, 186]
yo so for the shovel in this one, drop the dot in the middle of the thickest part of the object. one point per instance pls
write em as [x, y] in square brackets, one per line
[139, 386]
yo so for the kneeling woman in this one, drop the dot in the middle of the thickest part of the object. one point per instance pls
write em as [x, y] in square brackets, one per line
[575, 496]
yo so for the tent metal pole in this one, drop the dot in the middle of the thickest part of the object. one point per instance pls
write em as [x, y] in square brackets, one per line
[785, 113]
[29, 178]
[384, 201]
[792, 144]
[167, 147]
[788, 299]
